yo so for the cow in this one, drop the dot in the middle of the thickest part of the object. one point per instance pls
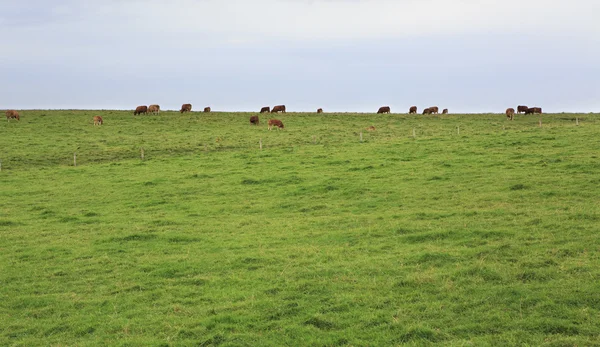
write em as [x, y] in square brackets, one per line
[254, 120]
[510, 113]
[98, 120]
[434, 110]
[371, 128]
[278, 108]
[412, 110]
[12, 114]
[445, 111]
[427, 111]
[265, 109]
[384, 109]
[276, 123]
[154, 109]
[522, 109]
[320, 110]
[140, 110]
[186, 108]
[533, 110]
[207, 109]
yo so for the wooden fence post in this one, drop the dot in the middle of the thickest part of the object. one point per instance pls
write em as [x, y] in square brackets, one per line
[142, 152]
[260, 143]
[576, 120]
[458, 130]
[414, 133]
[75, 159]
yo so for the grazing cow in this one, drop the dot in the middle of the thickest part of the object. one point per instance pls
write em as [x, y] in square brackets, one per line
[254, 120]
[276, 123]
[98, 120]
[186, 108]
[427, 111]
[522, 109]
[434, 110]
[154, 109]
[207, 109]
[445, 111]
[533, 110]
[140, 110]
[412, 110]
[510, 113]
[371, 128]
[265, 109]
[12, 114]
[278, 108]
[384, 109]
[320, 110]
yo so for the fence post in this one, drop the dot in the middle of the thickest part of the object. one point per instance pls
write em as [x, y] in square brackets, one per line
[414, 133]
[75, 159]
[260, 143]
[458, 130]
[577, 121]
[142, 152]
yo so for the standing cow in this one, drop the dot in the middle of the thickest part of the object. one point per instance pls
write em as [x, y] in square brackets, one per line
[384, 109]
[254, 120]
[278, 108]
[522, 109]
[140, 110]
[412, 110]
[445, 111]
[427, 111]
[434, 110]
[276, 123]
[320, 110]
[98, 120]
[154, 109]
[12, 114]
[510, 113]
[186, 108]
[265, 109]
[533, 110]
[207, 109]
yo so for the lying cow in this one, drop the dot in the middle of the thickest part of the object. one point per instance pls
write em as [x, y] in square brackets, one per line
[276, 123]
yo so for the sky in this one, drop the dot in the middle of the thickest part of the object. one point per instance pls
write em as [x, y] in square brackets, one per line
[340, 55]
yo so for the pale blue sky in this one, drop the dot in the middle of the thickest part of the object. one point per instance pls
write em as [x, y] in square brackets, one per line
[341, 55]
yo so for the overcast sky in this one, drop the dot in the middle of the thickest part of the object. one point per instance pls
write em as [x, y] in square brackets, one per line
[341, 55]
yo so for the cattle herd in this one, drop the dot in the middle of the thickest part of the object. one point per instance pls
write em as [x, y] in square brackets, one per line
[155, 109]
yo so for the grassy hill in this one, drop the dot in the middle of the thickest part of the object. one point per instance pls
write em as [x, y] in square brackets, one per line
[477, 231]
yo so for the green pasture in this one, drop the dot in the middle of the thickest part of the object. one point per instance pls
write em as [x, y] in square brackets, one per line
[476, 231]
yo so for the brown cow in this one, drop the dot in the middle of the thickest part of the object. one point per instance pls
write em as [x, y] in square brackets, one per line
[154, 109]
[384, 109]
[186, 108]
[533, 110]
[140, 110]
[98, 120]
[522, 109]
[434, 110]
[371, 128]
[278, 108]
[427, 111]
[276, 123]
[510, 113]
[207, 109]
[320, 110]
[265, 109]
[12, 114]
[254, 120]
[445, 111]
[412, 110]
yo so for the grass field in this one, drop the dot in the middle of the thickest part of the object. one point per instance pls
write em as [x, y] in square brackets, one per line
[489, 236]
